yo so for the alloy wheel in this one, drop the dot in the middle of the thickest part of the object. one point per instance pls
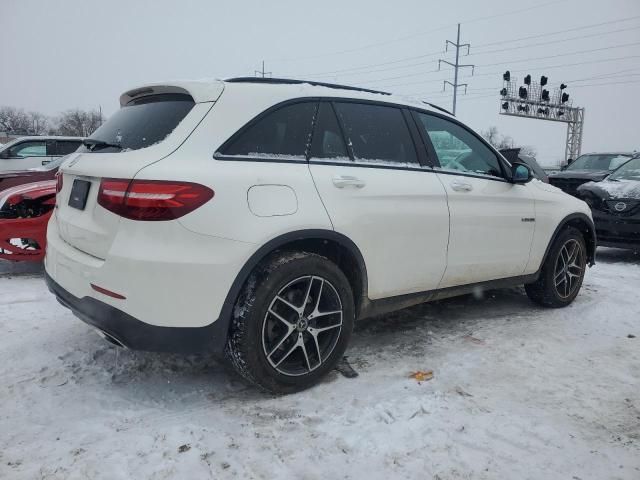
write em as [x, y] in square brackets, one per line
[569, 268]
[302, 325]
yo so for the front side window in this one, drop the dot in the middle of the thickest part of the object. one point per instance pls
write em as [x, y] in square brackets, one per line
[458, 149]
[29, 149]
[283, 133]
[377, 134]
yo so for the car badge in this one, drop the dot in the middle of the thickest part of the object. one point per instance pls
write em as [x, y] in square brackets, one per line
[620, 206]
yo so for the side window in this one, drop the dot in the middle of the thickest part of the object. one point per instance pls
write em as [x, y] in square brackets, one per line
[29, 149]
[284, 133]
[457, 148]
[377, 133]
[327, 136]
[65, 147]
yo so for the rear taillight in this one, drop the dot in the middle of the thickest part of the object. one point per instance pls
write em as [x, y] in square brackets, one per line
[151, 200]
[58, 181]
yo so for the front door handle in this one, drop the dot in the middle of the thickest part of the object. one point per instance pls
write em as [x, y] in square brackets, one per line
[45, 162]
[461, 186]
[341, 181]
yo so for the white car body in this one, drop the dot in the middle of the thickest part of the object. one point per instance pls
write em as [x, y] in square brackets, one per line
[28, 152]
[416, 233]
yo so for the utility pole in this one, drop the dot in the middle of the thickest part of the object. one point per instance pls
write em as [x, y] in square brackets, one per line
[261, 73]
[456, 66]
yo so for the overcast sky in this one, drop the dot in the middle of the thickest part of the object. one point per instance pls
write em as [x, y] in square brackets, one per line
[84, 53]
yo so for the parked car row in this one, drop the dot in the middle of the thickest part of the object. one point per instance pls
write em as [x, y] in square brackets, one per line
[260, 218]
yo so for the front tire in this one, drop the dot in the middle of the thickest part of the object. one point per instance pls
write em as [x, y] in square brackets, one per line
[562, 272]
[291, 323]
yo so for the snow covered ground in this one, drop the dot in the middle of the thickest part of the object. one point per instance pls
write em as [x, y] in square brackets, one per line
[518, 392]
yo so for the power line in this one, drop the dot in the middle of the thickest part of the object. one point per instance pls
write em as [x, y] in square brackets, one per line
[417, 34]
[405, 59]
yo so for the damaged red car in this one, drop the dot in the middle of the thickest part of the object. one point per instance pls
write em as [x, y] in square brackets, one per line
[24, 213]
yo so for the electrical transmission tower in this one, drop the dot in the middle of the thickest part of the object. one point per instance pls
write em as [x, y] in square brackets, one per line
[533, 100]
[261, 73]
[456, 66]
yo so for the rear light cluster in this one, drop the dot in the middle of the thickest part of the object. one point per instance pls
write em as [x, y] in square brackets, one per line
[151, 200]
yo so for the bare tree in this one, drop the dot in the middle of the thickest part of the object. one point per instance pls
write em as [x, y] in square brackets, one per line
[498, 141]
[79, 123]
[14, 120]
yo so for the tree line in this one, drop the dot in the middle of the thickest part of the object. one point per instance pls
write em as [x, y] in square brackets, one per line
[75, 122]
[498, 141]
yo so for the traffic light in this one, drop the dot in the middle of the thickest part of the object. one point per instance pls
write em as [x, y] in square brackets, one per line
[522, 92]
[543, 81]
[505, 106]
[562, 86]
[523, 108]
[545, 96]
[506, 76]
[560, 113]
[543, 111]
[565, 98]
[503, 92]
[527, 80]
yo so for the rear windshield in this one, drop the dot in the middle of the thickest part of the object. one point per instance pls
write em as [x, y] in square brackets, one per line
[598, 162]
[141, 123]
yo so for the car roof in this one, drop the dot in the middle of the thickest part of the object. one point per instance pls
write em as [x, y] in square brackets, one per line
[208, 90]
[630, 154]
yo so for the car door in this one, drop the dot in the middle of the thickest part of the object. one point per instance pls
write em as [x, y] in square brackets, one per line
[379, 194]
[24, 155]
[492, 219]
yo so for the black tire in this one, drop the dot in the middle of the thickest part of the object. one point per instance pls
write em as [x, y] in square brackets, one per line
[261, 328]
[558, 286]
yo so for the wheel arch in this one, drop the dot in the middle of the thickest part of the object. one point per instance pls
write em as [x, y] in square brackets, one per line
[585, 225]
[336, 246]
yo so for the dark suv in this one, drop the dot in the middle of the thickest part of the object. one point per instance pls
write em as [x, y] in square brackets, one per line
[590, 167]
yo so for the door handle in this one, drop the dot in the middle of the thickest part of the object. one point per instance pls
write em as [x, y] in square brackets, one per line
[461, 186]
[45, 162]
[341, 181]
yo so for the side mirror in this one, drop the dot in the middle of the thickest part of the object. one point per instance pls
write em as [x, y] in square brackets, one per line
[520, 173]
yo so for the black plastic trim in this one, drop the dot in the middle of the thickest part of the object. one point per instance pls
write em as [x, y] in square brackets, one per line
[592, 242]
[135, 334]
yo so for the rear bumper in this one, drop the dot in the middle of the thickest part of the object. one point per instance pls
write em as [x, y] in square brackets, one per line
[33, 229]
[127, 331]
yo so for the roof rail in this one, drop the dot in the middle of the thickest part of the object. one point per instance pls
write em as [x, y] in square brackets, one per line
[284, 81]
[438, 108]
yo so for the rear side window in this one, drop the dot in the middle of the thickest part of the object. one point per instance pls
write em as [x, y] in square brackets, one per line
[377, 133]
[64, 147]
[283, 133]
[327, 136]
[142, 122]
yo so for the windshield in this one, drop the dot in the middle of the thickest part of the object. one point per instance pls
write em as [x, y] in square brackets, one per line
[595, 161]
[628, 171]
[141, 123]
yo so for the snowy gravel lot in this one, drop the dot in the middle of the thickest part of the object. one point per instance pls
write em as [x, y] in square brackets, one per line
[519, 392]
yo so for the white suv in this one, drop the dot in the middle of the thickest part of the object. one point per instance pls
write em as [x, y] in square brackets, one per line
[262, 217]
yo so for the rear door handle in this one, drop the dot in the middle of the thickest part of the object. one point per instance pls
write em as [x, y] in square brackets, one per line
[461, 186]
[341, 181]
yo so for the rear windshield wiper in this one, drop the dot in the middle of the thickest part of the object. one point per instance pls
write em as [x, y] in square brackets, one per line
[92, 144]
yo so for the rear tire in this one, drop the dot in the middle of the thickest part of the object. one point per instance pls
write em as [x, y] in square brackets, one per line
[291, 323]
[562, 272]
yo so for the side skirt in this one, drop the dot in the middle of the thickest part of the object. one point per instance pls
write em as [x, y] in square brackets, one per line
[371, 308]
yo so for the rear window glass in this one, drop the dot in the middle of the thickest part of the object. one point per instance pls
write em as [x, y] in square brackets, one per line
[377, 133]
[284, 133]
[64, 147]
[598, 161]
[142, 122]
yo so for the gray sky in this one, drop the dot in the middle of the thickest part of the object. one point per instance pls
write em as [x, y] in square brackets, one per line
[84, 53]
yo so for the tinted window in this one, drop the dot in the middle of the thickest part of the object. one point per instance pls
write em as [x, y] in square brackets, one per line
[327, 136]
[283, 133]
[598, 162]
[64, 147]
[377, 133]
[457, 148]
[29, 149]
[143, 122]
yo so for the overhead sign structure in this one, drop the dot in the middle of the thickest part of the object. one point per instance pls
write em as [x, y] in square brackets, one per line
[531, 99]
